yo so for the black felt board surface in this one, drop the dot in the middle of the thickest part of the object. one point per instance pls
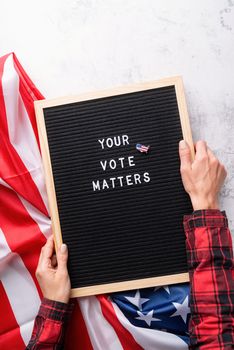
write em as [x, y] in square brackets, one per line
[129, 232]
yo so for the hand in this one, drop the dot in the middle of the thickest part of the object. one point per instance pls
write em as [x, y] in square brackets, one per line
[52, 273]
[202, 178]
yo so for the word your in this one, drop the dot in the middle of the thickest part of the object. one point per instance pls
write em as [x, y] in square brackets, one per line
[115, 141]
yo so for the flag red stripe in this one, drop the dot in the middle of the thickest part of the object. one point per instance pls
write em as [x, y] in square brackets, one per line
[33, 91]
[77, 336]
[10, 337]
[126, 339]
[12, 169]
[22, 233]
[16, 175]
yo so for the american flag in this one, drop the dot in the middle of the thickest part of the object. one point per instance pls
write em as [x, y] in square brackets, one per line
[155, 318]
[141, 148]
[157, 310]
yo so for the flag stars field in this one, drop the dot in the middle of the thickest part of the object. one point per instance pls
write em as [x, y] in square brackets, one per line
[148, 318]
[137, 300]
[164, 287]
[182, 309]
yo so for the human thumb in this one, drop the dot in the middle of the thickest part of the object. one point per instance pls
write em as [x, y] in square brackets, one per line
[185, 155]
[62, 256]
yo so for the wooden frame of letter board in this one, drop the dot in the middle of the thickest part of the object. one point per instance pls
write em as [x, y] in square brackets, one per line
[187, 135]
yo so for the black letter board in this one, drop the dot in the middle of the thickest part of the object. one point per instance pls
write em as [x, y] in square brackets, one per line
[115, 192]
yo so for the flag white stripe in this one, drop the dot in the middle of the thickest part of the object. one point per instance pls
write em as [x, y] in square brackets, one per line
[101, 333]
[20, 129]
[151, 339]
[20, 288]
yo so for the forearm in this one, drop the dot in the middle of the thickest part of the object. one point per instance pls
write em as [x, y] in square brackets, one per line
[211, 269]
[49, 326]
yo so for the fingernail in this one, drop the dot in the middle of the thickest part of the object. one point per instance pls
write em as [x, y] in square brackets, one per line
[63, 248]
[183, 144]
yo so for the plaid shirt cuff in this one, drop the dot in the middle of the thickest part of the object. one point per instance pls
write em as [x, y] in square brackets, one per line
[55, 310]
[205, 218]
[211, 267]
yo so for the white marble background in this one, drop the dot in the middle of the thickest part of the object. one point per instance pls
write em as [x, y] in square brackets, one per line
[74, 46]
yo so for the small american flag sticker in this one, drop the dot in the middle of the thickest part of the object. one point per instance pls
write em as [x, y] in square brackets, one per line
[141, 148]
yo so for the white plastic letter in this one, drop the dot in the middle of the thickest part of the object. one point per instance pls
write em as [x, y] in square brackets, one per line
[130, 161]
[125, 139]
[96, 186]
[112, 164]
[103, 164]
[146, 177]
[102, 143]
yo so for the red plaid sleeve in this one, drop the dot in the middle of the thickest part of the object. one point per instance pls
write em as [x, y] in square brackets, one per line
[211, 270]
[49, 326]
